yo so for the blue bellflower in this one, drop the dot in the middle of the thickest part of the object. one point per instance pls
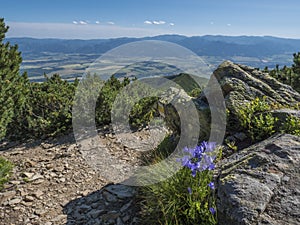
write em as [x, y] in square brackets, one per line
[212, 210]
[197, 159]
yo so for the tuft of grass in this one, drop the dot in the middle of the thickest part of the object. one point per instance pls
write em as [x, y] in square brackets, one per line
[5, 171]
[180, 200]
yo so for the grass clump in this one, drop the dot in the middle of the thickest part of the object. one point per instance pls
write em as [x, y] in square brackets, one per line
[188, 197]
[5, 171]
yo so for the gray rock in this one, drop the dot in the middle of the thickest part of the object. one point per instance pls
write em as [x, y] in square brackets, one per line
[240, 136]
[95, 213]
[283, 114]
[175, 106]
[15, 201]
[7, 196]
[253, 187]
[241, 84]
[109, 197]
[121, 191]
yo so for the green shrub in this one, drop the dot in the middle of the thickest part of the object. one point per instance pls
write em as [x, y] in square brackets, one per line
[5, 171]
[49, 107]
[195, 92]
[106, 98]
[256, 118]
[141, 111]
[291, 126]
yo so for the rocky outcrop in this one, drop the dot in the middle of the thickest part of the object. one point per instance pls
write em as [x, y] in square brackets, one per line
[241, 84]
[260, 185]
[238, 84]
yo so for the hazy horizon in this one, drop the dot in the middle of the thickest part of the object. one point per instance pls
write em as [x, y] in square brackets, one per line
[152, 36]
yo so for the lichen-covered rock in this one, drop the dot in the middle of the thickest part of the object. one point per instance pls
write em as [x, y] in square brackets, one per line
[260, 185]
[241, 84]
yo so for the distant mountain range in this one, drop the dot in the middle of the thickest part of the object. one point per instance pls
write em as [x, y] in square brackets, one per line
[55, 55]
[250, 46]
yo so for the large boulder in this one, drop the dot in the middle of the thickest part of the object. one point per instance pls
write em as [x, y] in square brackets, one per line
[182, 114]
[261, 184]
[241, 84]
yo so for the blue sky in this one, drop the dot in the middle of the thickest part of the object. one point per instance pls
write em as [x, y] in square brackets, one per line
[136, 18]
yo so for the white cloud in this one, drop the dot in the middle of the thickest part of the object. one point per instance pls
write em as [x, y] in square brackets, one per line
[155, 22]
[228, 24]
[97, 22]
[158, 22]
[75, 22]
[171, 24]
[82, 22]
[212, 23]
[147, 22]
[111, 23]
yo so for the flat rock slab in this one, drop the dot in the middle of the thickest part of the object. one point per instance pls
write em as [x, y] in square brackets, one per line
[261, 184]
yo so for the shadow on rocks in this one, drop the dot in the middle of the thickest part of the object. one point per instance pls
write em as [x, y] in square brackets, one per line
[113, 204]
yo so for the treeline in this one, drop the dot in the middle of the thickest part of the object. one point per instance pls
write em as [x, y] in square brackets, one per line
[288, 75]
[30, 109]
[37, 110]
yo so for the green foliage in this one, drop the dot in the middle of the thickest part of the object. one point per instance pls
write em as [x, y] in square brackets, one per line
[170, 201]
[258, 121]
[12, 85]
[121, 100]
[292, 125]
[5, 171]
[117, 97]
[231, 145]
[143, 112]
[288, 75]
[195, 92]
[49, 107]
[256, 118]
[106, 99]
[30, 109]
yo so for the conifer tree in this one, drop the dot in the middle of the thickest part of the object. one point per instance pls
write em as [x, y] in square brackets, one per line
[12, 92]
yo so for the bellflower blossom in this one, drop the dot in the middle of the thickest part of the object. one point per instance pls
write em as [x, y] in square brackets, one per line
[199, 158]
[211, 185]
[212, 210]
